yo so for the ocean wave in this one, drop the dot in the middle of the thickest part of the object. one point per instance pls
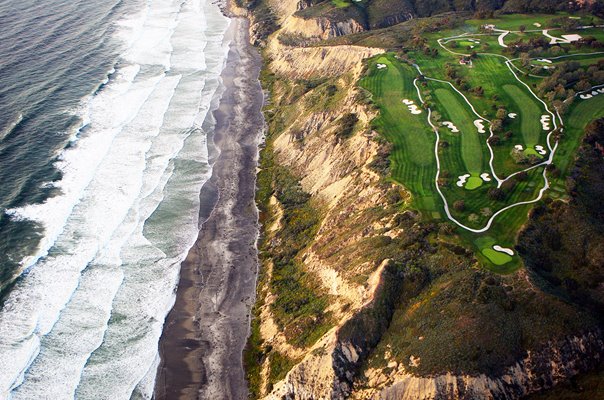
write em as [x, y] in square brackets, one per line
[86, 318]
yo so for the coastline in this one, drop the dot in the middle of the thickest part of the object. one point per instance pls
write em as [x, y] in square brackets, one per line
[206, 331]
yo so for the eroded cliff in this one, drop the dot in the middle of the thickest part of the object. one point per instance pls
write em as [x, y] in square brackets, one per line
[360, 297]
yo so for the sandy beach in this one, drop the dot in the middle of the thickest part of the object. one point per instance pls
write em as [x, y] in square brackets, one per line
[205, 333]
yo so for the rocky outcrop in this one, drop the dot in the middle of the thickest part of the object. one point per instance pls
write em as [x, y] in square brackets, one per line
[556, 362]
[332, 373]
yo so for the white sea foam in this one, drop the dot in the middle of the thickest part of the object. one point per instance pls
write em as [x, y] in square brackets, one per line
[11, 126]
[86, 319]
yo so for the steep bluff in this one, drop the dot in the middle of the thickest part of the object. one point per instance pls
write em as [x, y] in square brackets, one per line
[360, 297]
[320, 28]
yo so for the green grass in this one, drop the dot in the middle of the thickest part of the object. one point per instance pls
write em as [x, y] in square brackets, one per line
[581, 113]
[472, 145]
[474, 182]
[413, 162]
[466, 151]
[514, 21]
[340, 3]
[496, 257]
[529, 113]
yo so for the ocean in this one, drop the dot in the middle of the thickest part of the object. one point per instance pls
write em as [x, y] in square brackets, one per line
[105, 142]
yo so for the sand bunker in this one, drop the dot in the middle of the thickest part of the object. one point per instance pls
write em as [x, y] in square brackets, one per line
[564, 39]
[505, 250]
[545, 122]
[451, 126]
[537, 24]
[545, 60]
[414, 109]
[479, 124]
[485, 177]
[512, 115]
[380, 66]
[572, 38]
[519, 147]
[593, 93]
[461, 180]
[540, 150]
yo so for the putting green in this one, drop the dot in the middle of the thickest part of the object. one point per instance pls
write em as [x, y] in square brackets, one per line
[473, 182]
[531, 151]
[467, 43]
[496, 257]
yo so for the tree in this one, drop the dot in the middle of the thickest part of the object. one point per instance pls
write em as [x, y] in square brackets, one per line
[522, 28]
[497, 125]
[496, 194]
[525, 60]
[494, 140]
[522, 176]
[459, 205]
[501, 113]
[508, 185]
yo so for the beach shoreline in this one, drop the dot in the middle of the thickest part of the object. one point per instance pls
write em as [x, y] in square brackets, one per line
[204, 334]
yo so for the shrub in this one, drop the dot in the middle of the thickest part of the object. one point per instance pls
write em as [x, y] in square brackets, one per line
[347, 125]
[459, 205]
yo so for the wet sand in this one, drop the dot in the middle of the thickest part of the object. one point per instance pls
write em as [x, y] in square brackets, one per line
[205, 333]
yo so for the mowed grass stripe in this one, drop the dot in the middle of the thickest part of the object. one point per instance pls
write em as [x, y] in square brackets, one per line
[412, 157]
[529, 113]
[405, 128]
[471, 147]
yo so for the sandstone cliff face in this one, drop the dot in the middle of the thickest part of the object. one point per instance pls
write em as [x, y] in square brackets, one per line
[320, 28]
[333, 375]
[324, 61]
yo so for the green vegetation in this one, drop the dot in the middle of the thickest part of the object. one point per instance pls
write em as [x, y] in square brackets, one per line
[280, 365]
[516, 120]
[496, 257]
[474, 182]
[474, 152]
[412, 156]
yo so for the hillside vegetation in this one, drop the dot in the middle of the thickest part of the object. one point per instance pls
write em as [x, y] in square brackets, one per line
[370, 287]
